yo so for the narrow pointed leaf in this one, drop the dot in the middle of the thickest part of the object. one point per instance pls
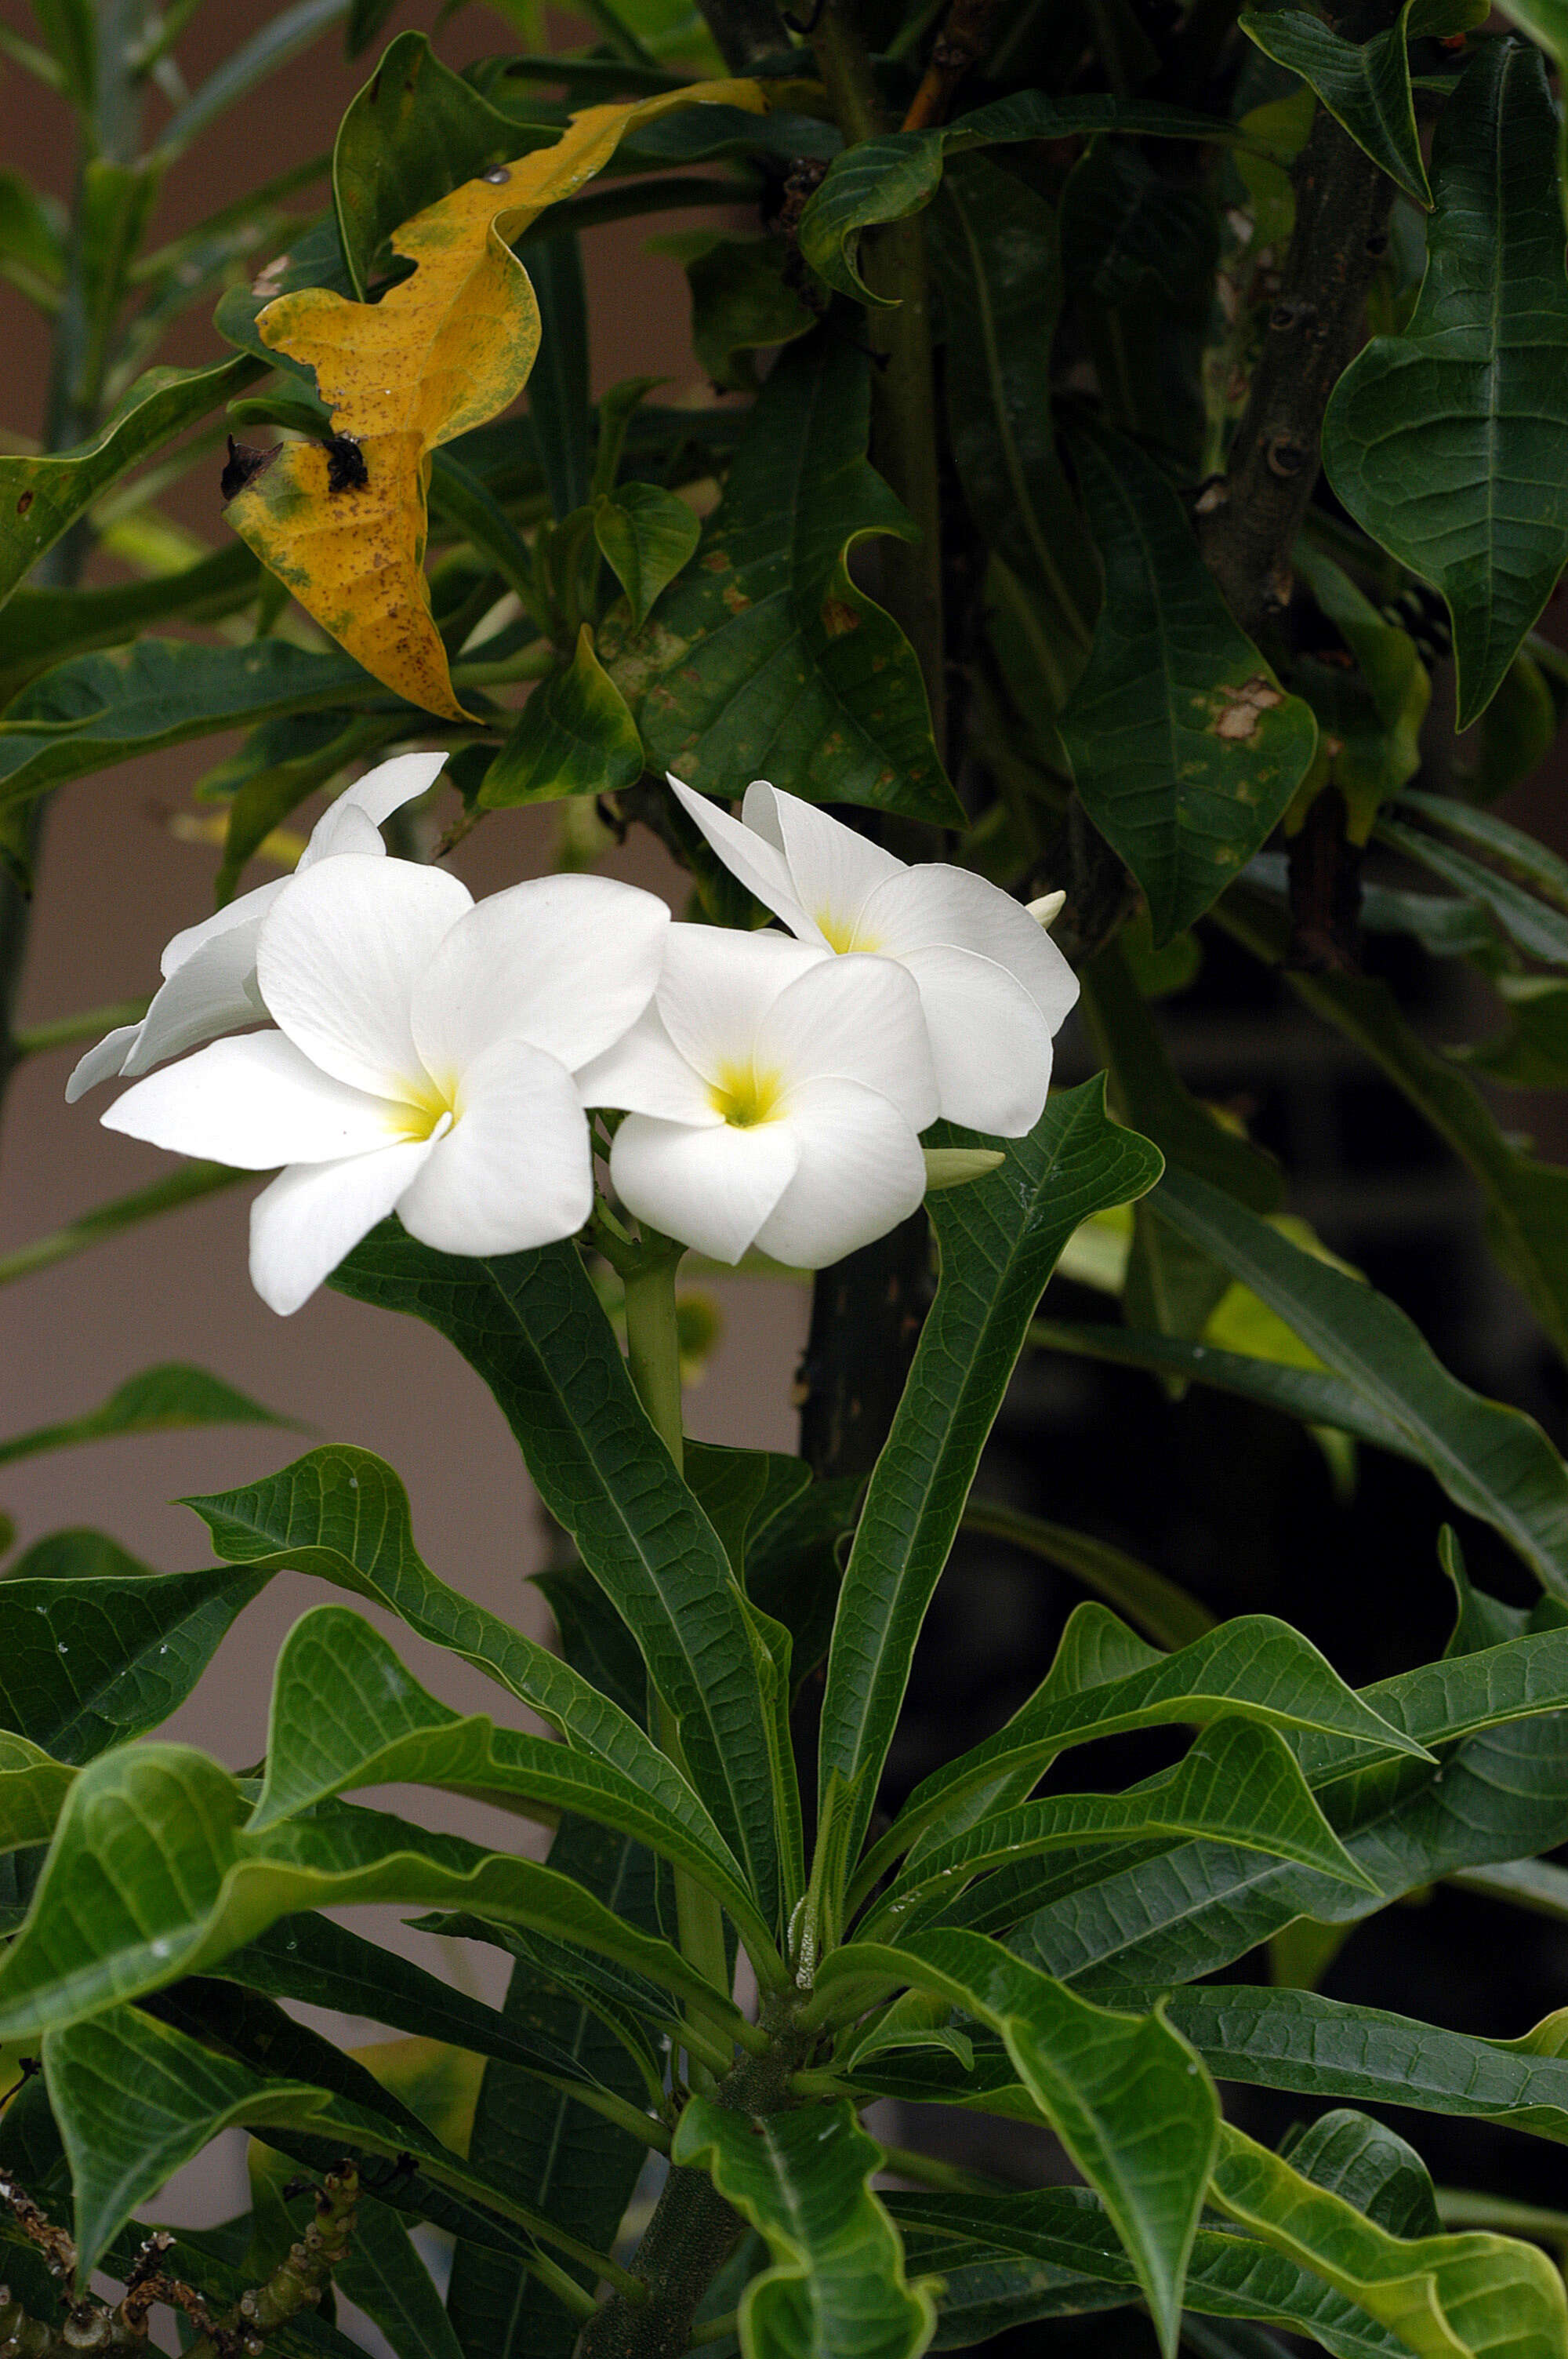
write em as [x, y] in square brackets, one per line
[1540, 930]
[1490, 1459]
[156, 1401]
[837, 2288]
[1366, 86]
[999, 1239]
[1125, 2094]
[45, 627]
[531, 1326]
[1186, 748]
[1442, 442]
[765, 657]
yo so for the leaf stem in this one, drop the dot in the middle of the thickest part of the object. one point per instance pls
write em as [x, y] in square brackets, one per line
[182, 1187]
[926, 2170]
[71, 1031]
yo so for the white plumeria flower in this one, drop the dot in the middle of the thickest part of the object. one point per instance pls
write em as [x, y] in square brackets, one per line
[422, 1062]
[209, 970]
[995, 989]
[774, 1096]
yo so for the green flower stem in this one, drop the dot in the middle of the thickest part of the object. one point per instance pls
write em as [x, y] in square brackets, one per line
[71, 1031]
[182, 1187]
[652, 1352]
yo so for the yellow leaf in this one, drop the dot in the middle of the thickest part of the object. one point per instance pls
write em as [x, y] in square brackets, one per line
[443, 351]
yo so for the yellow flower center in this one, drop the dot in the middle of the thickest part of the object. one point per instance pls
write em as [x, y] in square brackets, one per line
[842, 934]
[745, 1097]
[427, 1112]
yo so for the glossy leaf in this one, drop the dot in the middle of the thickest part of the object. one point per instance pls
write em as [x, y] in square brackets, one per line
[42, 497]
[153, 1876]
[1238, 1784]
[89, 1659]
[1441, 442]
[764, 658]
[1366, 86]
[1446, 2297]
[94, 711]
[443, 351]
[837, 2288]
[32, 1788]
[999, 1239]
[346, 1715]
[344, 1516]
[1124, 2093]
[531, 1326]
[1185, 749]
[156, 1401]
[887, 179]
[645, 535]
[1490, 1459]
[574, 737]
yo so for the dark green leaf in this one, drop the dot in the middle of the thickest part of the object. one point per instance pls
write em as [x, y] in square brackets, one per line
[531, 1326]
[1185, 749]
[383, 2273]
[160, 1398]
[764, 657]
[888, 179]
[42, 497]
[999, 1237]
[1162, 1610]
[1540, 930]
[71, 33]
[1508, 848]
[1532, 1054]
[1470, 402]
[45, 626]
[574, 737]
[645, 535]
[837, 2288]
[1366, 86]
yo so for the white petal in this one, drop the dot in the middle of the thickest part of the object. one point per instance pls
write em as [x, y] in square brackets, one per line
[990, 1043]
[857, 1019]
[102, 1063]
[860, 1172]
[717, 986]
[757, 862]
[712, 1188]
[936, 904]
[338, 830]
[340, 955]
[647, 1073]
[514, 1170]
[374, 798]
[255, 1104]
[312, 1216]
[833, 871]
[248, 911]
[568, 963]
[212, 992]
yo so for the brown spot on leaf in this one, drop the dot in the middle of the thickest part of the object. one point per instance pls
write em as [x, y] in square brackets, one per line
[838, 618]
[736, 600]
[1244, 707]
[716, 561]
[25, 503]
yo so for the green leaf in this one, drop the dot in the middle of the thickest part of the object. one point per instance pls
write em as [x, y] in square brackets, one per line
[531, 1325]
[1325, 2047]
[1255, 1667]
[280, 38]
[1021, 2256]
[412, 135]
[764, 657]
[1441, 442]
[743, 1492]
[1304, 1393]
[90, 713]
[1366, 86]
[42, 497]
[1125, 2094]
[566, 2161]
[1446, 2297]
[151, 1876]
[837, 2288]
[70, 29]
[574, 737]
[999, 1239]
[88, 1661]
[1509, 848]
[346, 1714]
[558, 400]
[887, 179]
[742, 301]
[32, 1788]
[122, 2152]
[1185, 749]
[160, 1398]
[993, 247]
[1165, 1613]
[1491, 1460]
[1540, 930]
[1376, 714]
[45, 626]
[645, 535]
[1238, 1784]
[344, 1516]
[1532, 1053]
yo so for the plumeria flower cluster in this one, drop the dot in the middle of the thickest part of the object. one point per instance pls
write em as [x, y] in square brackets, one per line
[441, 1058]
